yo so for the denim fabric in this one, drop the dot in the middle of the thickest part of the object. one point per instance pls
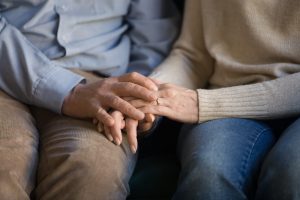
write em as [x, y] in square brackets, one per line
[221, 159]
[280, 174]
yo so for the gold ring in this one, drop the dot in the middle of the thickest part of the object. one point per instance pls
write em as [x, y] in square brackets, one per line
[157, 103]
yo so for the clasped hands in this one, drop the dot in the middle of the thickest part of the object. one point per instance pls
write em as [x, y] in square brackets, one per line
[130, 102]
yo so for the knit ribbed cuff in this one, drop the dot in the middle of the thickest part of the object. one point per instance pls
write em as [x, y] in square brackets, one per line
[238, 102]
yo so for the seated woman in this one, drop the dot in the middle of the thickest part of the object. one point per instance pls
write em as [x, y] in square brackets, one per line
[234, 75]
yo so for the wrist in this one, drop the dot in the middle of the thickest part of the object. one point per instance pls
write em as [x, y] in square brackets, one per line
[69, 99]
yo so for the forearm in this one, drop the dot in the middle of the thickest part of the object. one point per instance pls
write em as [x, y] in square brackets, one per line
[267, 100]
[28, 75]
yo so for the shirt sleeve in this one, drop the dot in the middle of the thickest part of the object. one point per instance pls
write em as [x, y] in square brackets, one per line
[154, 26]
[28, 75]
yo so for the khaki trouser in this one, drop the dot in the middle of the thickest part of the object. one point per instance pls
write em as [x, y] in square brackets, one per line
[48, 156]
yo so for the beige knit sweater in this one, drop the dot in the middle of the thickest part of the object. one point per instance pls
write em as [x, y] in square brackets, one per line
[243, 57]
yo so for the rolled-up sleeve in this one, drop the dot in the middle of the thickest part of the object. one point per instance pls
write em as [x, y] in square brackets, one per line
[154, 25]
[28, 75]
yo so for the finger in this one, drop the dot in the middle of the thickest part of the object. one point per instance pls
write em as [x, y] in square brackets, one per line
[107, 133]
[140, 80]
[143, 127]
[124, 107]
[123, 124]
[116, 128]
[131, 129]
[137, 103]
[102, 116]
[150, 118]
[100, 127]
[129, 98]
[156, 81]
[167, 92]
[126, 89]
[94, 121]
[158, 110]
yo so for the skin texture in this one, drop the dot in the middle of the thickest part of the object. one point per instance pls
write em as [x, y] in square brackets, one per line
[174, 102]
[93, 100]
[177, 103]
[131, 126]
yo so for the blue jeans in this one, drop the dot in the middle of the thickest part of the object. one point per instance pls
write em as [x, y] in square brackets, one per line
[231, 159]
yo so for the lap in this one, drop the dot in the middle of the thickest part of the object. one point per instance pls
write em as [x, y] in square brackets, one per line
[289, 140]
[74, 157]
[286, 150]
[232, 148]
[230, 137]
[18, 149]
[280, 174]
[75, 150]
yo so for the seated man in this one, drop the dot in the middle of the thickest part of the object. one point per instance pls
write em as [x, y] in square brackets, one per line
[46, 49]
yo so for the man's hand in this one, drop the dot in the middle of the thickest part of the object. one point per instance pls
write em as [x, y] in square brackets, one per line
[94, 99]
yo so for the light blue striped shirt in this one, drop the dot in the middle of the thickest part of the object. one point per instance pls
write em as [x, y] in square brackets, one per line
[39, 39]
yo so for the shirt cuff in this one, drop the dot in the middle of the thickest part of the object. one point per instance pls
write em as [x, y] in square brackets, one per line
[51, 89]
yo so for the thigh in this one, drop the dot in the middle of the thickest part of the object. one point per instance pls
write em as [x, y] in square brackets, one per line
[280, 174]
[229, 150]
[77, 162]
[18, 149]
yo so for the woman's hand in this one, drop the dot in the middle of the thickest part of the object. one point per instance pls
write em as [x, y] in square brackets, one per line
[131, 126]
[177, 103]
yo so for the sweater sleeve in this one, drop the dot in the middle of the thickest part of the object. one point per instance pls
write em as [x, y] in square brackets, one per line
[266, 100]
[189, 64]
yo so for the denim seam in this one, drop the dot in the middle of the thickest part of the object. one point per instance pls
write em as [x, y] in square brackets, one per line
[246, 161]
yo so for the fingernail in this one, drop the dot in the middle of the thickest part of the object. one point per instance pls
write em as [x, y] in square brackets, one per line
[133, 149]
[142, 115]
[117, 141]
[109, 137]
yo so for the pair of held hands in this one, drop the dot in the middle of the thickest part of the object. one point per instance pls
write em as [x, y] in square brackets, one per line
[135, 100]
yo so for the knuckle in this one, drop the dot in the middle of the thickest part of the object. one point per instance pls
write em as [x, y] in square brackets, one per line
[170, 93]
[130, 86]
[99, 111]
[114, 100]
[104, 83]
[128, 109]
[106, 118]
[133, 75]
[166, 85]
